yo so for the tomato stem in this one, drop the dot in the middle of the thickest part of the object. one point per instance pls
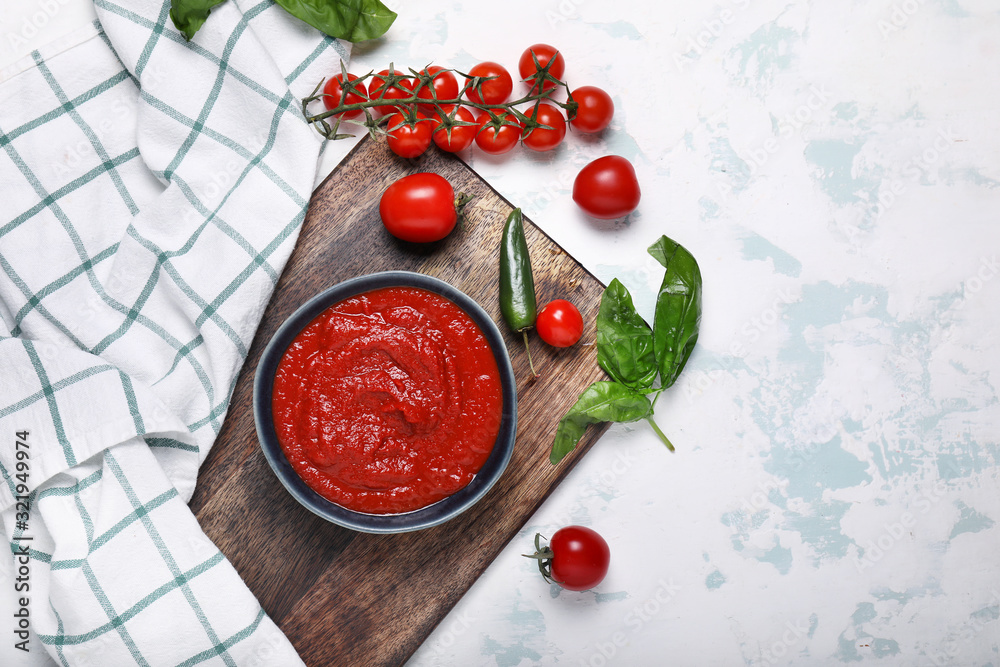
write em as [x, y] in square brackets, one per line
[461, 199]
[543, 555]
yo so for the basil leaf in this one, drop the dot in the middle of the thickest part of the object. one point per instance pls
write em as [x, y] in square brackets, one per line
[600, 402]
[677, 317]
[624, 340]
[190, 15]
[352, 20]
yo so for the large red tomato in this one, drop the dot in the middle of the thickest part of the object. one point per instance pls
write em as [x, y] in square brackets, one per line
[607, 188]
[419, 208]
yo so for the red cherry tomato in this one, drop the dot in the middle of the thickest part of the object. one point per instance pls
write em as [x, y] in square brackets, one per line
[559, 323]
[577, 558]
[378, 90]
[419, 208]
[543, 53]
[444, 86]
[540, 138]
[607, 188]
[496, 85]
[409, 139]
[497, 140]
[461, 136]
[436, 114]
[595, 110]
[333, 91]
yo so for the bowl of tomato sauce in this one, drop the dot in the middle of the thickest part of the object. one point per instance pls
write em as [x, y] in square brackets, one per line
[387, 403]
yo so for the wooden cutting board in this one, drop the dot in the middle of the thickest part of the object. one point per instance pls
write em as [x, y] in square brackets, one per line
[347, 598]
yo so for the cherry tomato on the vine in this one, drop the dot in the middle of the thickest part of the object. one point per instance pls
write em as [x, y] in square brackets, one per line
[461, 136]
[607, 188]
[408, 139]
[495, 86]
[577, 558]
[559, 323]
[436, 113]
[543, 53]
[497, 140]
[543, 139]
[444, 86]
[378, 90]
[333, 91]
[420, 208]
[594, 111]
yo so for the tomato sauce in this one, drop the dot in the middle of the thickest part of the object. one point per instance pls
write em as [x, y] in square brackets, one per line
[388, 401]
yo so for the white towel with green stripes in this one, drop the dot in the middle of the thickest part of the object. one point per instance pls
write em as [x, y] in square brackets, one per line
[151, 191]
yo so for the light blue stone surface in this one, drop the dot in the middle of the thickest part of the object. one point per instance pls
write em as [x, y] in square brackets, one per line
[834, 496]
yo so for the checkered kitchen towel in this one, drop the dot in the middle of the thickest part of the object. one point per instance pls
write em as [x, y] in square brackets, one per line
[151, 191]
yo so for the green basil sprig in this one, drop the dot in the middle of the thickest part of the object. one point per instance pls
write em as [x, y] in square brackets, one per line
[634, 354]
[351, 20]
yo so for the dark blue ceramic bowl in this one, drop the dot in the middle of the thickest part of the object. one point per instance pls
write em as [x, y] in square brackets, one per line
[431, 515]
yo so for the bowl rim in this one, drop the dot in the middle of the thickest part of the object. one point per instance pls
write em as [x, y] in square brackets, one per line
[425, 517]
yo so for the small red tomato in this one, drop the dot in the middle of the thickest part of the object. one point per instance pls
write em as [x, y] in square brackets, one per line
[543, 139]
[594, 111]
[444, 86]
[607, 188]
[419, 208]
[378, 90]
[544, 54]
[460, 137]
[498, 140]
[333, 91]
[407, 139]
[577, 558]
[437, 114]
[559, 323]
[495, 83]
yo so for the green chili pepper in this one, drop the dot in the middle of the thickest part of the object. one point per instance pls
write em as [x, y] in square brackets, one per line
[517, 285]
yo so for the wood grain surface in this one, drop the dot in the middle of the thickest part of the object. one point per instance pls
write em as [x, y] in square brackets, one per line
[347, 598]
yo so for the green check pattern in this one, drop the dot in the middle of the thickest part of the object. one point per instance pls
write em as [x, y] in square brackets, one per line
[152, 192]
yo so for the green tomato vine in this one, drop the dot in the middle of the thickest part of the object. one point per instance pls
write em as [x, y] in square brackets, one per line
[328, 122]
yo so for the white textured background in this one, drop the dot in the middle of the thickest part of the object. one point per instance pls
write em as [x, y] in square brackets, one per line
[834, 166]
